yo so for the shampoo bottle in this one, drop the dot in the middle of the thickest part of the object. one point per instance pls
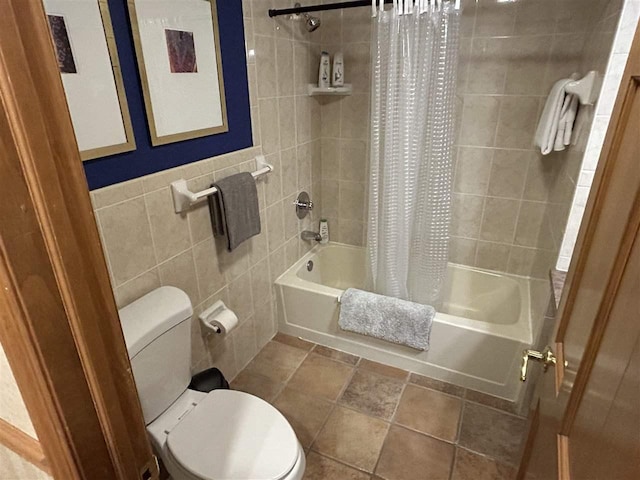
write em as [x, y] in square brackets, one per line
[324, 75]
[337, 76]
[324, 231]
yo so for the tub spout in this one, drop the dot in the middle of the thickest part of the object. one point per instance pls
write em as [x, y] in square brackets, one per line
[308, 235]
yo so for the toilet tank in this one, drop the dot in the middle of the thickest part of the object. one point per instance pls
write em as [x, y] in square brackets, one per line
[157, 331]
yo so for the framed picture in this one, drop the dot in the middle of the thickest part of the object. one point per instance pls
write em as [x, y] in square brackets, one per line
[178, 49]
[84, 44]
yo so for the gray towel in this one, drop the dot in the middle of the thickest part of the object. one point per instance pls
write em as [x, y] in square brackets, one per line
[234, 209]
[387, 318]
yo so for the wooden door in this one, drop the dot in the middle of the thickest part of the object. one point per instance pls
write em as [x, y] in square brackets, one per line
[59, 325]
[586, 422]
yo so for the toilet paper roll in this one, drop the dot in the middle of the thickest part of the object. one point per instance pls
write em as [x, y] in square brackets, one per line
[219, 319]
[225, 321]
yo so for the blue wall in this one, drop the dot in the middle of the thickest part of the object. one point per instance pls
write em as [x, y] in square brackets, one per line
[148, 159]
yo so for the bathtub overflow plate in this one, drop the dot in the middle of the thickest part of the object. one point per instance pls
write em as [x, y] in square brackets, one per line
[310, 265]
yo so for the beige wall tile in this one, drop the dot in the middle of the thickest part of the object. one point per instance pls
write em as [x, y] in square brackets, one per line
[355, 113]
[265, 52]
[277, 263]
[488, 65]
[289, 165]
[269, 125]
[136, 288]
[303, 119]
[301, 65]
[356, 25]
[351, 203]
[199, 218]
[245, 344]
[209, 274]
[351, 232]
[479, 120]
[473, 169]
[291, 222]
[330, 159]
[331, 108]
[526, 72]
[495, 18]
[466, 215]
[180, 272]
[264, 323]
[492, 256]
[499, 220]
[304, 158]
[222, 355]
[127, 236]
[468, 17]
[287, 116]
[462, 250]
[232, 264]
[353, 160]
[521, 260]
[260, 283]
[517, 123]
[170, 230]
[119, 192]
[275, 230]
[357, 65]
[273, 182]
[508, 173]
[284, 65]
[533, 229]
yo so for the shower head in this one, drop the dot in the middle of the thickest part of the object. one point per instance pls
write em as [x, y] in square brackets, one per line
[311, 23]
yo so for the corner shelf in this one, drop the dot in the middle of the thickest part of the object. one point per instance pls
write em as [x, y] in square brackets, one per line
[315, 90]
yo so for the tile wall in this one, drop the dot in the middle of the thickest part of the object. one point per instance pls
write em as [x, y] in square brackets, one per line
[623, 29]
[147, 245]
[345, 127]
[510, 204]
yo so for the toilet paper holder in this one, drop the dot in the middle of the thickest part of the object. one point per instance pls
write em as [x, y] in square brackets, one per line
[218, 318]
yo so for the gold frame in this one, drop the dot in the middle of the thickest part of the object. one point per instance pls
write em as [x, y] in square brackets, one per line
[177, 137]
[130, 144]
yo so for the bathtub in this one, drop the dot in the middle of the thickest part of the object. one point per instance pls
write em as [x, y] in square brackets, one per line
[477, 336]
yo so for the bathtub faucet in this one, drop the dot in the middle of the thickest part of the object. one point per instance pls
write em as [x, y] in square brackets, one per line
[309, 235]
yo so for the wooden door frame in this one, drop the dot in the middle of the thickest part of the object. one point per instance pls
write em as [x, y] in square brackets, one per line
[607, 170]
[59, 323]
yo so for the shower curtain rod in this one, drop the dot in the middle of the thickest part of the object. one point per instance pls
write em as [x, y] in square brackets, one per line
[320, 8]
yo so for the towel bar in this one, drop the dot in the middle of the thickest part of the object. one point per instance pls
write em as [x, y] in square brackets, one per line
[586, 88]
[183, 198]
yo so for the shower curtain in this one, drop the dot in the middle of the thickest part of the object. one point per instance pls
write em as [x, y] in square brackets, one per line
[414, 62]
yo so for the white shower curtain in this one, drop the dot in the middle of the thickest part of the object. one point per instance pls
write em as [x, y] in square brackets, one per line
[414, 62]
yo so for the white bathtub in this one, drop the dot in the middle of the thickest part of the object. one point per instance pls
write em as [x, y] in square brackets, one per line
[476, 340]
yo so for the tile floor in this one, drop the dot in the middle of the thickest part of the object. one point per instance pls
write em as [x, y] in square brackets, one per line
[361, 420]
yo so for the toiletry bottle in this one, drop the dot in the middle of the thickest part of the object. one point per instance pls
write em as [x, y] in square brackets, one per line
[324, 75]
[337, 75]
[324, 231]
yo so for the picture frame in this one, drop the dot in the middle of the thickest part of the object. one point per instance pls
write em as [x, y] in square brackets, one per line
[177, 47]
[84, 44]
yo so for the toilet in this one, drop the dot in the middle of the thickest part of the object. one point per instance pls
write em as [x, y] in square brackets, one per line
[221, 435]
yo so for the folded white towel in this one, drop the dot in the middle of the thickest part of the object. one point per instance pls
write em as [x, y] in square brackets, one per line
[550, 120]
[565, 124]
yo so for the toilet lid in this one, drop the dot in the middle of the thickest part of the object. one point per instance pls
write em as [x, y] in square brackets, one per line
[232, 435]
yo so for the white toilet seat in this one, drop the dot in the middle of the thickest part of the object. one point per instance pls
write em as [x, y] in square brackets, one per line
[232, 435]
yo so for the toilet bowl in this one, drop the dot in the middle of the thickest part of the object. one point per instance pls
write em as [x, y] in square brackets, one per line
[224, 434]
